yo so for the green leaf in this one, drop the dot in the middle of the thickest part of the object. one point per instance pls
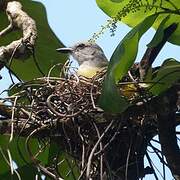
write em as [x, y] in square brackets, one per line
[27, 172]
[120, 62]
[133, 12]
[3, 165]
[68, 168]
[167, 75]
[159, 34]
[126, 52]
[19, 154]
[20, 87]
[53, 149]
[45, 50]
[110, 99]
[24, 162]
[117, 1]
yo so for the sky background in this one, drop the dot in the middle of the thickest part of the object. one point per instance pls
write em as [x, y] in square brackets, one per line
[77, 20]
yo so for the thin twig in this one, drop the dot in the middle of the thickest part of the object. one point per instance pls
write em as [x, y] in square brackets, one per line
[94, 149]
[127, 161]
[32, 156]
[101, 156]
[83, 149]
[9, 164]
[150, 163]
[12, 118]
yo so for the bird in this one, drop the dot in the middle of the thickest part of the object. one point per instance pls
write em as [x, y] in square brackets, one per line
[90, 57]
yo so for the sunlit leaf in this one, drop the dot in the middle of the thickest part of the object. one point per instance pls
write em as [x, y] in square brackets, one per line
[159, 34]
[133, 12]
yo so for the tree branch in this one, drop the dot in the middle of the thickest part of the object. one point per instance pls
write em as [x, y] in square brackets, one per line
[21, 48]
[166, 124]
[152, 52]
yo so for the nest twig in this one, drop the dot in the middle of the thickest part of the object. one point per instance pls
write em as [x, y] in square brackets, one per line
[66, 111]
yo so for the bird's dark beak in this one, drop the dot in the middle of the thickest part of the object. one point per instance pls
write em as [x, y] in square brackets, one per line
[65, 50]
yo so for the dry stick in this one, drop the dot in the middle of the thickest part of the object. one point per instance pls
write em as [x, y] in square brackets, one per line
[94, 149]
[67, 138]
[60, 114]
[168, 139]
[127, 161]
[110, 141]
[81, 175]
[14, 74]
[8, 163]
[164, 172]
[49, 73]
[21, 20]
[10, 63]
[150, 163]
[30, 116]
[83, 149]
[152, 52]
[12, 117]
[50, 174]
[101, 156]
[156, 152]
[156, 141]
[36, 62]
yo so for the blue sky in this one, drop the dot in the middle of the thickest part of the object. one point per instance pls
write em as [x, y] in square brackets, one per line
[77, 20]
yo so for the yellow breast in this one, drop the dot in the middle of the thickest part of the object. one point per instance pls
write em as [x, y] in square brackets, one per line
[88, 71]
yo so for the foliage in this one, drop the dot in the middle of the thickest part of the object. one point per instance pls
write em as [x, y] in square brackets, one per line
[165, 77]
[132, 12]
[120, 62]
[125, 53]
[15, 152]
[45, 50]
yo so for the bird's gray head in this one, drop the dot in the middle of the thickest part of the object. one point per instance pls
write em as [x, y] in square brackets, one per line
[86, 52]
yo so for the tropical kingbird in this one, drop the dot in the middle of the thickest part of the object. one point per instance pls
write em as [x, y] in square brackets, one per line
[90, 57]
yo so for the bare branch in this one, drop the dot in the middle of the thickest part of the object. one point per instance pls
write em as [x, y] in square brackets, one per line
[152, 52]
[21, 48]
[166, 124]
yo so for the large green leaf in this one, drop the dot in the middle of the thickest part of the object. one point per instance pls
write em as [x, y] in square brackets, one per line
[120, 62]
[68, 168]
[133, 12]
[46, 44]
[27, 172]
[110, 99]
[167, 75]
[25, 166]
[20, 156]
[158, 37]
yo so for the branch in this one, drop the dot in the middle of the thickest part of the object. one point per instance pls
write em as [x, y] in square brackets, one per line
[21, 48]
[166, 114]
[152, 52]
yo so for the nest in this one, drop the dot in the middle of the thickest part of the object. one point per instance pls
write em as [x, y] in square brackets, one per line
[66, 111]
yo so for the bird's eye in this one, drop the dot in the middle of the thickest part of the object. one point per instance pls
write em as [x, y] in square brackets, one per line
[81, 46]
